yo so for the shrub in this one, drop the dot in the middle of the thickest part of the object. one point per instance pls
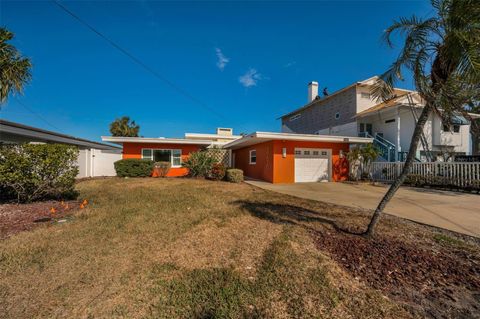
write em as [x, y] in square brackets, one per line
[161, 168]
[199, 164]
[31, 172]
[234, 175]
[217, 172]
[133, 167]
[418, 180]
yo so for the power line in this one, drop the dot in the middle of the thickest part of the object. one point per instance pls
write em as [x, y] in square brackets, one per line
[26, 107]
[139, 62]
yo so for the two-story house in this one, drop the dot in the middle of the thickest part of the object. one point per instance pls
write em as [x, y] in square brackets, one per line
[352, 111]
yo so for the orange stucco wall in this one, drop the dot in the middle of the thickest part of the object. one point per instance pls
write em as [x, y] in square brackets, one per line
[263, 169]
[134, 150]
[274, 168]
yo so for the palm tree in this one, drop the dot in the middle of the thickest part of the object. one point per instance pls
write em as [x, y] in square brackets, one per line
[443, 53]
[124, 127]
[14, 69]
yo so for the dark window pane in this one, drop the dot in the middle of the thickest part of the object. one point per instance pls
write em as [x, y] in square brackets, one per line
[161, 156]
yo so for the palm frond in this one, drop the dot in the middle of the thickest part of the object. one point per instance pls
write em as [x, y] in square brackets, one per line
[14, 69]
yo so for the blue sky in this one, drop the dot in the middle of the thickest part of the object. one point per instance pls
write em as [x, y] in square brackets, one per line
[250, 62]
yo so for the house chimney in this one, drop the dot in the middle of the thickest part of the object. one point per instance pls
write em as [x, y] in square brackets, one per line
[312, 91]
[224, 131]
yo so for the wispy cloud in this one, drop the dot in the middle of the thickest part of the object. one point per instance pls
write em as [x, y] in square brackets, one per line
[250, 78]
[222, 60]
[290, 64]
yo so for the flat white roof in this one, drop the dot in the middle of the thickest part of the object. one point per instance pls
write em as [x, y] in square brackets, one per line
[157, 140]
[211, 136]
[260, 137]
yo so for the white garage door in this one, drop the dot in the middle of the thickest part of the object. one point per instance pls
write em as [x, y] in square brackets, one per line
[312, 165]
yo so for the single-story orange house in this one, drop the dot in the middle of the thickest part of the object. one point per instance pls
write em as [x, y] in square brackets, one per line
[173, 150]
[293, 158]
[272, 157]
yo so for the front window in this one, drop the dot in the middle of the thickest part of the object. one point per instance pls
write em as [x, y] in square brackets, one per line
[162, 156]
[147, 154]
[253, 157]
[174, 157]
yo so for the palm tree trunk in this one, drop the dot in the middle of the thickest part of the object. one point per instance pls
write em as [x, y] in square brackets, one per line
[406, 168]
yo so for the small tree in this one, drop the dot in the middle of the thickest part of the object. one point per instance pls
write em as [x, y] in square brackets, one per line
[199, 164]
[14, 69]
[124, 127]
[369, 154]
[443, 54]
[161, 168]
[360, 160]
[354, 158]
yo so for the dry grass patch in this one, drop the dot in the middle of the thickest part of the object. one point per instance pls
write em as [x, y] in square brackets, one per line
[182, 248]
[238, 243]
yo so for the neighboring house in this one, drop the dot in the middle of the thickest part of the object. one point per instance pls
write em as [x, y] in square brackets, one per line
[352, 111]
[95, 159]
[173, 150]
[273, 157]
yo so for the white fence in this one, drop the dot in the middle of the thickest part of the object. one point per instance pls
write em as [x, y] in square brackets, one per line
[460, 174]
[95, 162]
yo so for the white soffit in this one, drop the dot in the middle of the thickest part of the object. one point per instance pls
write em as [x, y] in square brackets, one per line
[153, 140]
[260, 137]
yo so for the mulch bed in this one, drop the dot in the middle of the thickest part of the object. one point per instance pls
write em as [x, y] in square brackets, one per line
[15, 218]
[435, 282]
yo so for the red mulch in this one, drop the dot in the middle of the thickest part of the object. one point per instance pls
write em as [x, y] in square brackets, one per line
[434, 282]
[15, 218]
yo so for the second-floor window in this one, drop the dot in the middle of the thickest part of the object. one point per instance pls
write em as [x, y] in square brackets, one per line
[365, 95]
[337, 116]
[453, 128]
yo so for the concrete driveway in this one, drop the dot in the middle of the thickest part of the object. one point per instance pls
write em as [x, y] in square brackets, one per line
[450, 210]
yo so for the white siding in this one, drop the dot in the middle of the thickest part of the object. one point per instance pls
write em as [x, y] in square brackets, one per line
[362, 102]
[349, 129]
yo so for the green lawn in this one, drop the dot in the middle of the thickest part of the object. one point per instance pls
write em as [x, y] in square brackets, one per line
[182, 248]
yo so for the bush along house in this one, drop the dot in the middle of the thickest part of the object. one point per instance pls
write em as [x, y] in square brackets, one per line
[268, 156]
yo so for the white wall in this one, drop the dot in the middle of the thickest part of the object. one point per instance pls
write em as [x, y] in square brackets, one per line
[364, 103]
[103, 162]
[83, 161]
[95, 162]
[436, 138]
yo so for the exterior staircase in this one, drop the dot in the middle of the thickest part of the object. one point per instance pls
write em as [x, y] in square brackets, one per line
[386, 148]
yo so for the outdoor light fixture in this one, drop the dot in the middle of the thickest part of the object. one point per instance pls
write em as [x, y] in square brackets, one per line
[284, 152]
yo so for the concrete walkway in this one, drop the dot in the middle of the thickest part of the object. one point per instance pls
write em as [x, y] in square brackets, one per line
[450, 210]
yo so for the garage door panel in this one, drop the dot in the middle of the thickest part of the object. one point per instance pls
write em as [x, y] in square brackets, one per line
[312, 165]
